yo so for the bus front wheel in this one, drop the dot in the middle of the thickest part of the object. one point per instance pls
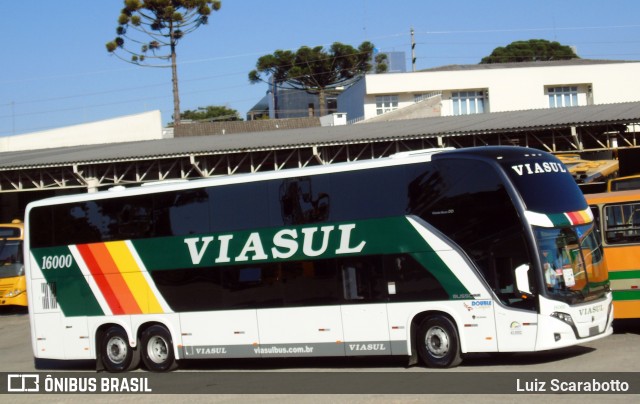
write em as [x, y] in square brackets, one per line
[116, 354]
[438, 342]
[157, 349]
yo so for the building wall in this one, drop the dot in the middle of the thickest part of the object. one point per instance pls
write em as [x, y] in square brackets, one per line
[145, 126]
[509, 88]
[350, 101]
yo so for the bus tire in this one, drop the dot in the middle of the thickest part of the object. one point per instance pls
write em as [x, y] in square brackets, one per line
[115, 352]
[157, 349]
[438, 342]
[135, 359]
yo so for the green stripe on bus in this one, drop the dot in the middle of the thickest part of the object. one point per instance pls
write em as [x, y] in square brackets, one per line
[598, 284]
[434, 264]
[72, 292]
[617, 275]
[626, 294]
[559, 219]
[377, 236]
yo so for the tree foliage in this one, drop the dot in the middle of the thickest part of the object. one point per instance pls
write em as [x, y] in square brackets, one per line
[532, 50]
[154, 28]
[318, 70]
[212, 113]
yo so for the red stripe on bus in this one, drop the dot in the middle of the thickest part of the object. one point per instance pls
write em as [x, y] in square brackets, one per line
[100, 279]
[575, 218]
[112, 274]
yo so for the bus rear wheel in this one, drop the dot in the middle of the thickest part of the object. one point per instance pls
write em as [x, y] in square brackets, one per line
[116, 354]
[157, 349]
[438, 342]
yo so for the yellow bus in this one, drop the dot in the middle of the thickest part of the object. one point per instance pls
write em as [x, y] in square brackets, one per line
[618, 216]
[13, 286]
[623, 183]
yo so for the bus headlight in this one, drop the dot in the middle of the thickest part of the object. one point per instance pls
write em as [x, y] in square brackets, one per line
[14, 293]
[563, 317]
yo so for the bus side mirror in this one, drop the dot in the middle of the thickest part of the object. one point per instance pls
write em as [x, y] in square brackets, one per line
[522, 281]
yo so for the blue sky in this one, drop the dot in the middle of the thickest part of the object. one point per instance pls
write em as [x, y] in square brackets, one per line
[56, 71]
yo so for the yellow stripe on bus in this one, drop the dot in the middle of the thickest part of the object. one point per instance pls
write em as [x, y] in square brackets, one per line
[132, 275]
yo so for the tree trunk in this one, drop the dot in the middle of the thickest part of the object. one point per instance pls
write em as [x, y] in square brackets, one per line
[322, 101]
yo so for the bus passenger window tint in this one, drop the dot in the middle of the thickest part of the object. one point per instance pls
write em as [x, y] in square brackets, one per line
[362, 279]
[181, 213]
[301, 202]
[240, 207]
[410, 281]
[310, 283]
[365, 194]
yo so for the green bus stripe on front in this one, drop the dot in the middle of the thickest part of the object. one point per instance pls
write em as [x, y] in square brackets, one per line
[626, 295]
[73, 294]
[617, 275]
[434, 264]
[559, 219]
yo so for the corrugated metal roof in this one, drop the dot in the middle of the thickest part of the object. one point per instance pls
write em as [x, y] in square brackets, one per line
[500, 122]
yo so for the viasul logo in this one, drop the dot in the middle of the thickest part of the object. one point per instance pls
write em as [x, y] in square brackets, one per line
[310, 241]
[539, 168]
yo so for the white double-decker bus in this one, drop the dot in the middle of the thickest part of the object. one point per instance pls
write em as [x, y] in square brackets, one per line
[428, 255]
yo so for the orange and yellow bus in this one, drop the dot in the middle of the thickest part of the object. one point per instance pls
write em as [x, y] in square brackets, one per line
[623, 183]
[618, 216]
[13, 286]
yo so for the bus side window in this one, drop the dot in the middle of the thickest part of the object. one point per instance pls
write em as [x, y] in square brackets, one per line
[362, 280]
[408, 280]
[350, 283]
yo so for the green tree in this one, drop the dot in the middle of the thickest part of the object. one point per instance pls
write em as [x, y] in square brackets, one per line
[162, 24]
[316, 70]
[530, 51]
[212, 113]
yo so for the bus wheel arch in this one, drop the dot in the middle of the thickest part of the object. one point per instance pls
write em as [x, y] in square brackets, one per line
[156, 348]
[114, 353]
[435, 340]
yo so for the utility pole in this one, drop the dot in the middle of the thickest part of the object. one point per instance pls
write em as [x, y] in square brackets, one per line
[13, 117]
[413, 51]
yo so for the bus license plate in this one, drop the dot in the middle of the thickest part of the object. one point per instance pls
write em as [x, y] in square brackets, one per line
[593, 331]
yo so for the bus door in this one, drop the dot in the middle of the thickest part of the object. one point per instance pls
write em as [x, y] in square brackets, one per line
[364, 312]
[516, 329]
[307, 319]
[515, 311]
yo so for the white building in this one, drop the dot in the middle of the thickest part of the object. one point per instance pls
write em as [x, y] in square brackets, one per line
[477, 89]
[130, 128]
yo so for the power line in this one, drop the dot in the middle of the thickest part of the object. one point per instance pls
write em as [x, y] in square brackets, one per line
[201, 79]
[488, 31]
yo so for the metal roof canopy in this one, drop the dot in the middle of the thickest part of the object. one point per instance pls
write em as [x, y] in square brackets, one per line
[557, 129]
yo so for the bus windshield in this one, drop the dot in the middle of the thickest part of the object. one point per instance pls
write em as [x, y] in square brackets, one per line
[11, 258]
[542, 173]
[573, 267]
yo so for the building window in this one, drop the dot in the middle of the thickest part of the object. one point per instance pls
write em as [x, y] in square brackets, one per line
[468, 102]
[386, 103]
[563, 97]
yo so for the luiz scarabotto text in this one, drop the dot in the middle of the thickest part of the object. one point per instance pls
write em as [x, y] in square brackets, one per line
[557, 385]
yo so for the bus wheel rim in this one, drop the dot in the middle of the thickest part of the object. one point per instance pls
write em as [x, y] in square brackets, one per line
[117, 350]
[157, 349]
[437, 342]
